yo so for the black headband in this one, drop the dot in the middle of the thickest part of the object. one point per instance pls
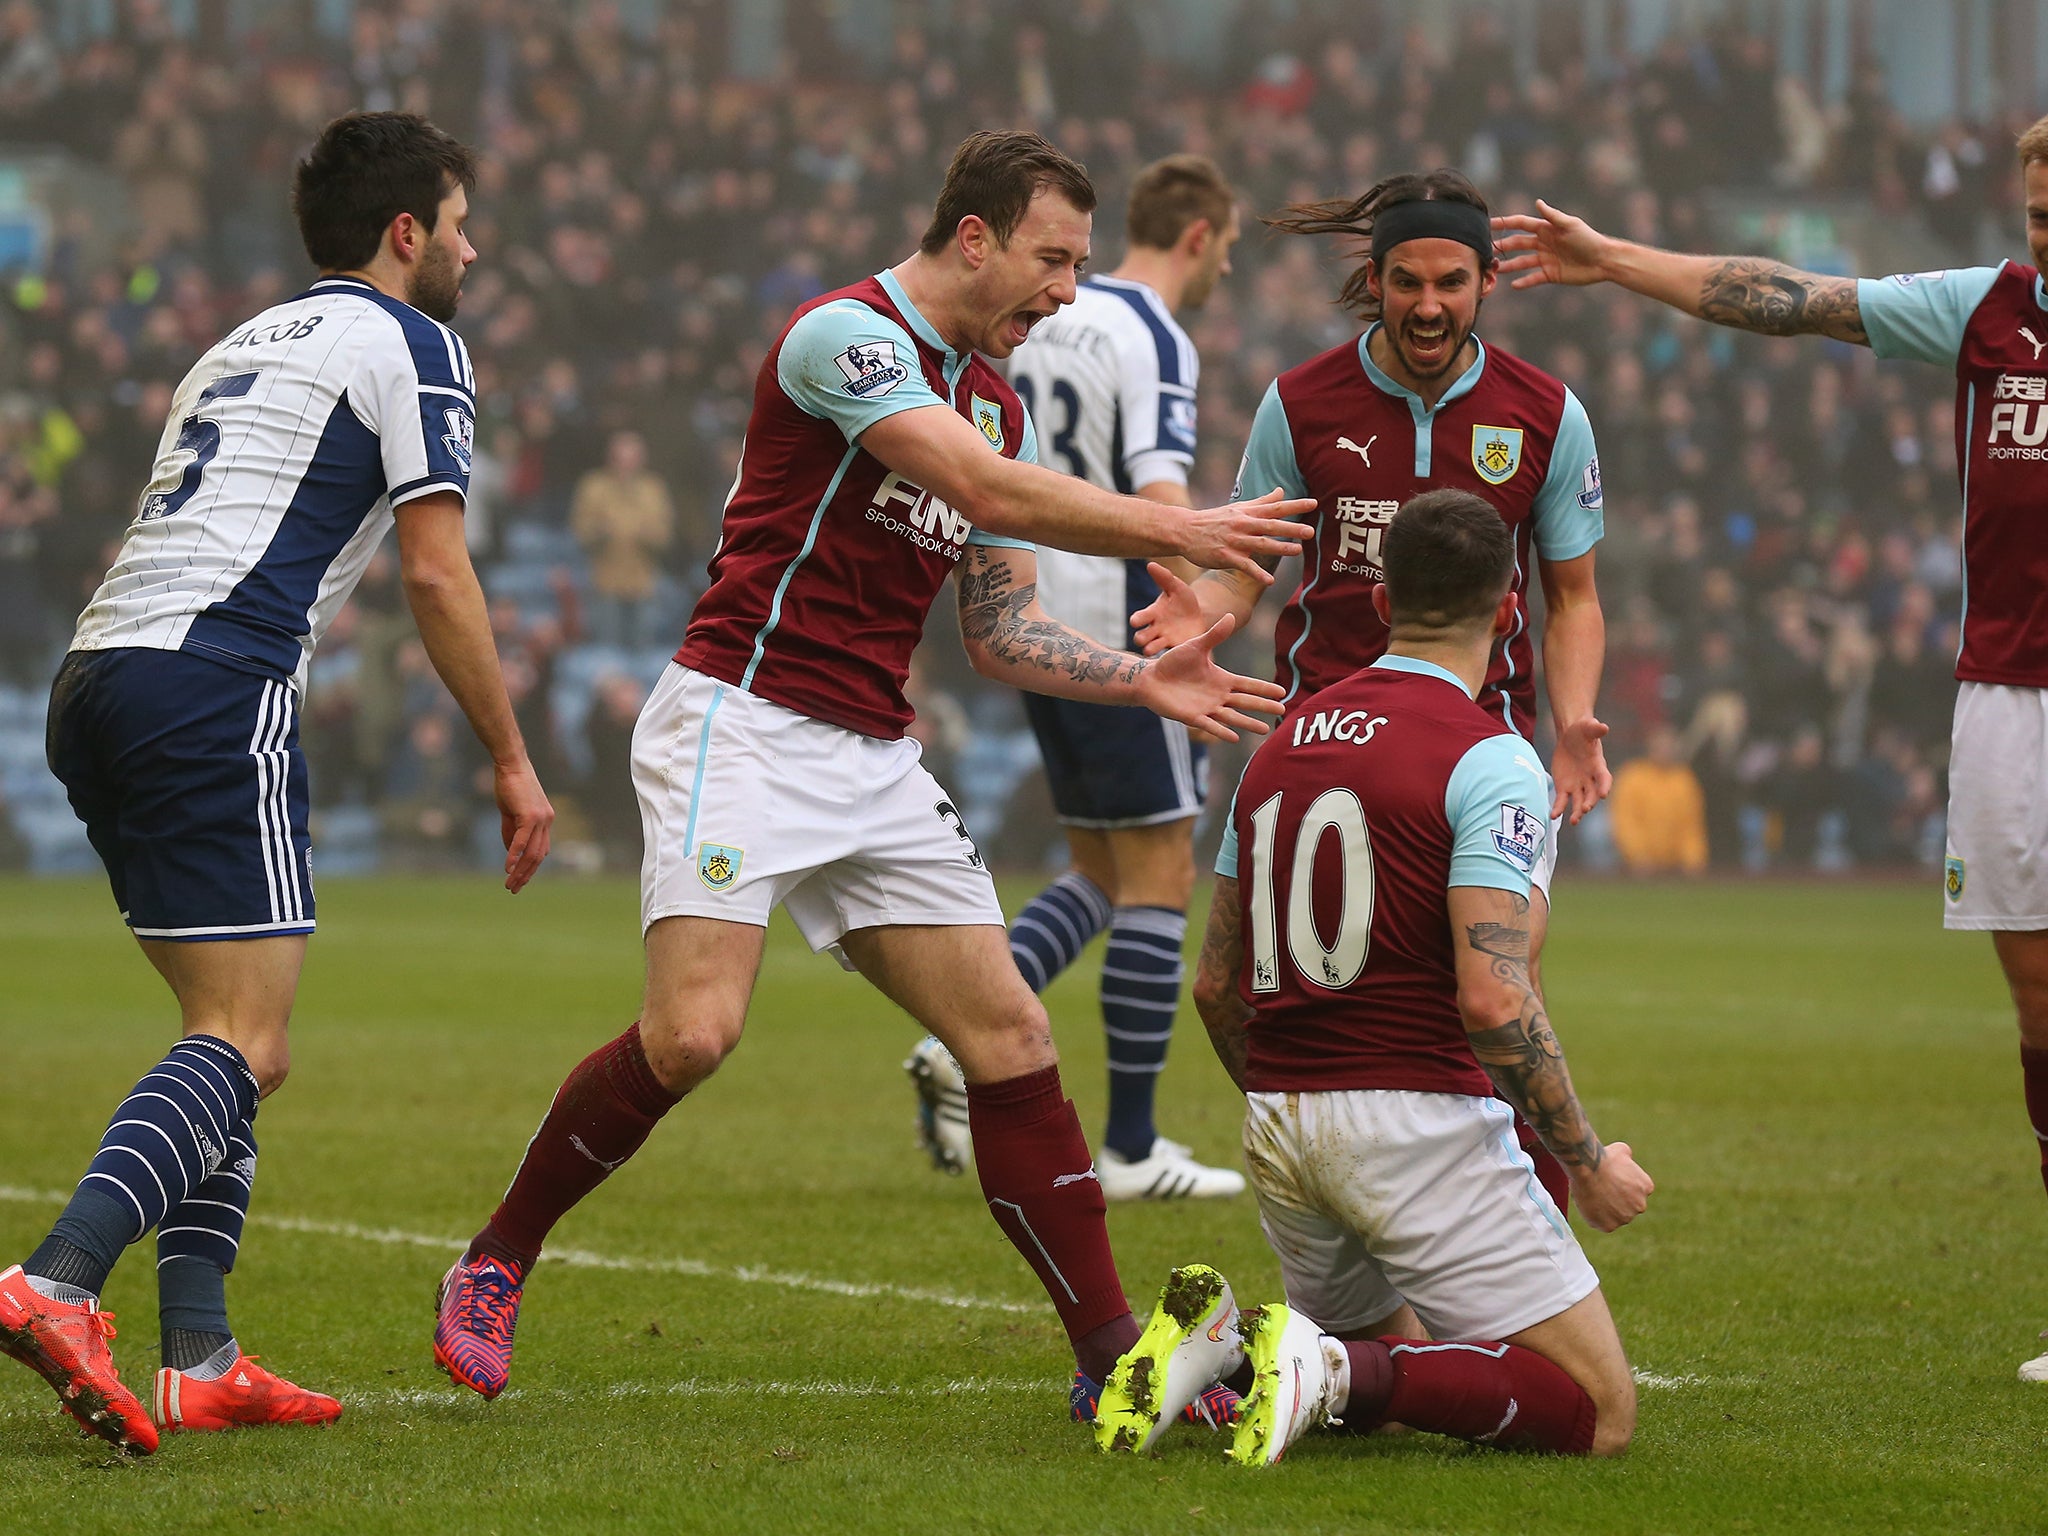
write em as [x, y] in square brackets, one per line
[1433, 219]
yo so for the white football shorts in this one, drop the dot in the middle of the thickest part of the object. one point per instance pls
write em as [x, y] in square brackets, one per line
[745, 804]
[1373, 1197]
[1996, 873]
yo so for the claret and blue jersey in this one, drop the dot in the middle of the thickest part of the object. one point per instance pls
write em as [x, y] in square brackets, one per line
[1339, 429]
[1353, 821]
[1990, 325]
[828, 560]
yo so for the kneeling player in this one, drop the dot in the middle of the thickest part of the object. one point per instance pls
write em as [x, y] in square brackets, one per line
[1365, 979]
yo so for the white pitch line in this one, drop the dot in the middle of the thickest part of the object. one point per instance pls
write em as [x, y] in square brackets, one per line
[445, 1397]
[746, 1274]
[583, 1258]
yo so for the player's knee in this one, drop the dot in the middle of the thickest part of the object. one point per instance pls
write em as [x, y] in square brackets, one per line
[1004, 1042]
[685, 1049]
[1614, 1402]
[270, 1062]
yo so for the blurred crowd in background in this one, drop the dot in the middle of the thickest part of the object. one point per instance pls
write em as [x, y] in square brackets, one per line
[1780, 571]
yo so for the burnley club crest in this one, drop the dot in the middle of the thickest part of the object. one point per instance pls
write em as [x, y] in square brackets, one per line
[1496, 453]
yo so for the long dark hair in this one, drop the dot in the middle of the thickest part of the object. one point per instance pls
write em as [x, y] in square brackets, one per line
[1335, 216]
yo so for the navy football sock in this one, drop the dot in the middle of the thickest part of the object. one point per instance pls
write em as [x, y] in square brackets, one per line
[1056, 925]
[1141, 976]
[169, 1135]
[195, 1252]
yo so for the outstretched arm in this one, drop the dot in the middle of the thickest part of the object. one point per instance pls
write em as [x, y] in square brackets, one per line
[1223, 1011]
[1010, 638]
[1511, 1036]
[1750, 293]
[934, 447]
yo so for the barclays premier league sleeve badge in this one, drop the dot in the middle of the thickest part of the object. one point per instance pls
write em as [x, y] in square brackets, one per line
[870, 368]
[1520, 836]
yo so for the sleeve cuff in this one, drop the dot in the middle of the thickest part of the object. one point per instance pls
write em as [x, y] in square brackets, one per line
[414, 490]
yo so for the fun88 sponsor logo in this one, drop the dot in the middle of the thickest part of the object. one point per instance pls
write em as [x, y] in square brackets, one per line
[2019, 417]
[926, 521]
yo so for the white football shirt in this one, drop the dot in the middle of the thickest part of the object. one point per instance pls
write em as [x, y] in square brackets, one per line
[1110, 384]
[288, 445]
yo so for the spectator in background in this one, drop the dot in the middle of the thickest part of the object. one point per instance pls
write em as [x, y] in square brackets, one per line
[623, 519]
[1659, 812]
[608, 797]
[430, 807]
[162, 152]
[643, 207]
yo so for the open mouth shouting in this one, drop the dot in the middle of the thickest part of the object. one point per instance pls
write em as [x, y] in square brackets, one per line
[1020, 324]
[1429, 344]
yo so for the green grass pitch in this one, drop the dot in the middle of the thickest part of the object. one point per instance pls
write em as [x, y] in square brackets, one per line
[777, 1318]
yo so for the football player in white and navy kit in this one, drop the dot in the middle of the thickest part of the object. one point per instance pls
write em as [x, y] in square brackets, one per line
[1110, 384]
[292, 447]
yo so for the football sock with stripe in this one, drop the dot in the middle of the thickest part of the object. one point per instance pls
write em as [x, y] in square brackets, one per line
[168, 1136]
[1055, 926]
[601, 1116]
[1486, 1392]
[2034, 1066]
[1039, 1180]
[1141, 976]
[195, 1251]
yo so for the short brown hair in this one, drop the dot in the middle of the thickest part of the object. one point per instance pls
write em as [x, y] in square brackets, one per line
[2033, 144]
[994, 176]
[1171, 194]
[364, 171]
[1339, 216]
[1449, 559]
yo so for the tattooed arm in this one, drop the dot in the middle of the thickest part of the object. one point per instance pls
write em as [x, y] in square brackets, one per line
[1217, 1000]
[1511, 1035]
[1013, 640]
[1747, 292]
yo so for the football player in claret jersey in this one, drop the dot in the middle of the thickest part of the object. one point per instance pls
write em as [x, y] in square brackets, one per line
[1420, 401]
[1365, 980]
[772, 764]
[1989, 325]
[291, 448]
[1111, 380]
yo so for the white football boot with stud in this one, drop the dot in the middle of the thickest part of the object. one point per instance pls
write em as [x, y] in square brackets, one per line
[1300, 1377]
[941, 1106]
[1169, 1172]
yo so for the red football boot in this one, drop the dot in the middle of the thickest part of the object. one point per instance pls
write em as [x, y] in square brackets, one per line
[67, 1346]
[244, 1394]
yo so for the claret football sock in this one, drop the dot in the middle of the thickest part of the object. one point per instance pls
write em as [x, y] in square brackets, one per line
[1141, 976]
[168, 1137]
[2034, 1065]
[1039, 1180]
[1486, 1392]
[602, 1115]
[1056, 925]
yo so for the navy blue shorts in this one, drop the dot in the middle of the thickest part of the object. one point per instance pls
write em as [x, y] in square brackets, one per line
[1114, 765]
[190, 782]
